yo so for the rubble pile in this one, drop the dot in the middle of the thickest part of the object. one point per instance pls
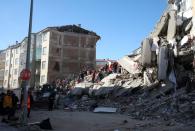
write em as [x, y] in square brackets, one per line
[157, 79]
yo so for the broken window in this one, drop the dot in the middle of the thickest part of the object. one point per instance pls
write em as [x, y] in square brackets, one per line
[58, 51]
[56, 66]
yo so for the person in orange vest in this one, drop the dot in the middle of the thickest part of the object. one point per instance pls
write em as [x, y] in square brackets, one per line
[7, 104]
[29, 102]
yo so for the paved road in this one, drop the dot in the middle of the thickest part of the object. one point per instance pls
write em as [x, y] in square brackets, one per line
[5, 127]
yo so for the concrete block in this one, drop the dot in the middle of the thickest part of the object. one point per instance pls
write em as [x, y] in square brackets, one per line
[146, 52]
[172, 25]
[162, 63]
[128, 64]
[105, 110]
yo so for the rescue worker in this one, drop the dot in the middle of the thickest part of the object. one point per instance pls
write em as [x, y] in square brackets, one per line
[14, 102]
[29, 102]
[51, 100]
[8, 105]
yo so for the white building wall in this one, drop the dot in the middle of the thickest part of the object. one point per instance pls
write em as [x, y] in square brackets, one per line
[7, 66]
[44, 57]
[14, 73]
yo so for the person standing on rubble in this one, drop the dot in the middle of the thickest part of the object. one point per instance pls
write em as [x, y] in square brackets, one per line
[115, 67]
[93, 76]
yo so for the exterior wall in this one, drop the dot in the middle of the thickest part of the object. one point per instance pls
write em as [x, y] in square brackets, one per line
[15, 62]
[2, 67]
[68, 53]
[8, 60]
[54, 54]
[14, 69]
[44, 57]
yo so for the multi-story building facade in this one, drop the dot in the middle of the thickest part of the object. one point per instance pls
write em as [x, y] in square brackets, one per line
[56, 52]
[65, 51]
[12, 66]
[15, 61]
[2, 66]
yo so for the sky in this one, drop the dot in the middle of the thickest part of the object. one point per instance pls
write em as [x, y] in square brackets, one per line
[122, 24]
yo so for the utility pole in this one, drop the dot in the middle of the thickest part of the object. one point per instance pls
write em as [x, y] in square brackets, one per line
[25, 83]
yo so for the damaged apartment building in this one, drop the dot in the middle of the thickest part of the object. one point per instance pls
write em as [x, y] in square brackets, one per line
[56, 52]
[168, 53]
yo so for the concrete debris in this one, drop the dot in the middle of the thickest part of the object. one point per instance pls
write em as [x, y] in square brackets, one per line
[130, 64]
[146, 52]
[104, 110]
[156, 81]
[172, 25]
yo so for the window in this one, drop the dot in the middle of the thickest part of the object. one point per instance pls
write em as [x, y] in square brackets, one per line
[7, 54]
[43, 64]
[16, 61]
[43, 79]
[44, 50]
[15, 71]
[56, 66]
[7, 63]
[58, 52]
[17, 50]
[14, 82]
[6, 72]
[60, 40]
[54, 36]
[44, 37]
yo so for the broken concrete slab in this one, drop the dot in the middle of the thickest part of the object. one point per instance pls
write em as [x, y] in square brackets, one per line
[136, 83]
[129, 64]
[105, 110]
[161, 26]
[146, 52]
[84, 85]
[163, 63]
[172, 25]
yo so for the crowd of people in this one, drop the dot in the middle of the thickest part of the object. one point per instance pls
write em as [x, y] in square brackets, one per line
[96, 76]
[10, 103]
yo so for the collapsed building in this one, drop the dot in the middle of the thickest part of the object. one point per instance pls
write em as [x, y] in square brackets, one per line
[169, 48]
[158, 81]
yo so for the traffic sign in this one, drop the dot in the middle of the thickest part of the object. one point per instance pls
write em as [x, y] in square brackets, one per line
[25, 74]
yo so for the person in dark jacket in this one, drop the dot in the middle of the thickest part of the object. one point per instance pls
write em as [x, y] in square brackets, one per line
[14, 102]
[51, 100]
[1, 103]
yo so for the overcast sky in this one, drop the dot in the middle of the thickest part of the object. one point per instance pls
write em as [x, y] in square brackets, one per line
[122, 24]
